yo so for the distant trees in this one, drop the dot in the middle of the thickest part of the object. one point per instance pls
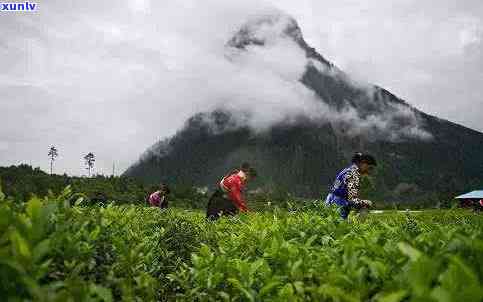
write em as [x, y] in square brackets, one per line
[89, 160]
[22, 182]
[53, 153]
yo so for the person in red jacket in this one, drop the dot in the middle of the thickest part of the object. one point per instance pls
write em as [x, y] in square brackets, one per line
[228, 198]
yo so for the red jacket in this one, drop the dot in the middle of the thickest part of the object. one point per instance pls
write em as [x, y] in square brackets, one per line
[233, 185]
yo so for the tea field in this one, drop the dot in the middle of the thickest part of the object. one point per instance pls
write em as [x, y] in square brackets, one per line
[56, 249]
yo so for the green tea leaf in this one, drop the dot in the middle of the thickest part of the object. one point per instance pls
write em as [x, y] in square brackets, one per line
[396, 296]
[20, 245]
[409, 251]
[103, 293]
[267, 288]
[34, 208]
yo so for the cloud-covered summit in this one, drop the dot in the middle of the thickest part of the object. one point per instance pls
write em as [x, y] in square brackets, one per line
[272, 58]
[111, 78]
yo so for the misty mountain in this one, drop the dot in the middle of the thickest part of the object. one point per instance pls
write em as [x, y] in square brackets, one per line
[420, 156]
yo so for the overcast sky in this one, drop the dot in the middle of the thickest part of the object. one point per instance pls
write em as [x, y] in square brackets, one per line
[113, 77]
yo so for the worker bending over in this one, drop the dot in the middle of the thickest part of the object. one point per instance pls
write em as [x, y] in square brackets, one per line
[345, 191]
[228, 198]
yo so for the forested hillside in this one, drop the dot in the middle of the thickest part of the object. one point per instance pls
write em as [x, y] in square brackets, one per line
[421, 158]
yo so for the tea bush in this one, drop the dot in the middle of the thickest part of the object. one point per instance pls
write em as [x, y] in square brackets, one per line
[56, 249]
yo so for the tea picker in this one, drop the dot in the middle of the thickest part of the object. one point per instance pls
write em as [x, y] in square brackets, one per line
[345, 190]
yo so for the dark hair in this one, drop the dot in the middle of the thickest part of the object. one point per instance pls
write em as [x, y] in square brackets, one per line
[247, 168]
[165, 188]
[364, 157]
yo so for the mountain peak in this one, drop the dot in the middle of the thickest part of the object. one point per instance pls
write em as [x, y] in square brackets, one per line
[266, 29]
[300, 154]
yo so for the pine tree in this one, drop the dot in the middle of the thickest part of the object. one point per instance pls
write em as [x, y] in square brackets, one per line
[89, 159]
[53, 153]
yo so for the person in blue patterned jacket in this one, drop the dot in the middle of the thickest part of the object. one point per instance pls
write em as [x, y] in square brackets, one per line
[345, 191]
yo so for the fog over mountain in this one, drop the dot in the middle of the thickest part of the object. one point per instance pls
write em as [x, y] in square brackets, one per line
[112, 78]
[300, 135]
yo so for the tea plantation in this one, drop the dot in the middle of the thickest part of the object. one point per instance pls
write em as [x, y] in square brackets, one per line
[56, 249]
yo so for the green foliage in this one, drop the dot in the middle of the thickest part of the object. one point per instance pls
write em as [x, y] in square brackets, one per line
[312, 255]
[52, 249]
[26, 247]
[23, 182]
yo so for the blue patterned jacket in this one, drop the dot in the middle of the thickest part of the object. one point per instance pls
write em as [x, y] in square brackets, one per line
[345, 189]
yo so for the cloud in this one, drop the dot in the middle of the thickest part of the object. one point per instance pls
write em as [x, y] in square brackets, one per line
[140, 5]
[429, 55]
[395, 125]
[261, 87]
[3, 146]
[113, 77]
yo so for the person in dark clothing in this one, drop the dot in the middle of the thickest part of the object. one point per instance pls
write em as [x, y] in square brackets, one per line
[160, 197]
[478, 206]
[228, 198]
[345, 190]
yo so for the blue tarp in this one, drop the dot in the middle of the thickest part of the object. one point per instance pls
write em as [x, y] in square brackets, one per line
[471, 195]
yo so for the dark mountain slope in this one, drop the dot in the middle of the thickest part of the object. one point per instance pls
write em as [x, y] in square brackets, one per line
[420, 156]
